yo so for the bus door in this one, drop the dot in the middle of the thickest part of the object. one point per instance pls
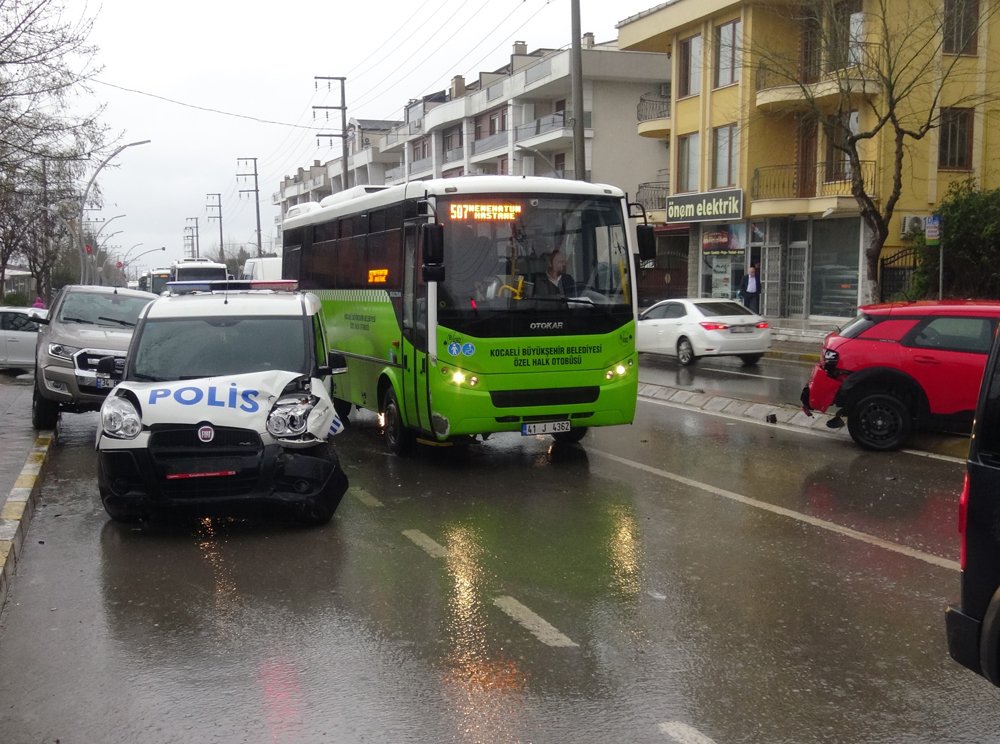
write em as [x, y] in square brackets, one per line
[415, 370]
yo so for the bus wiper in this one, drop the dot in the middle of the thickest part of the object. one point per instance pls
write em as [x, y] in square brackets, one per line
[68, 319]
[128, 323]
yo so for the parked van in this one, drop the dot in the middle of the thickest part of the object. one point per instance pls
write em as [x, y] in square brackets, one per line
[262, 268]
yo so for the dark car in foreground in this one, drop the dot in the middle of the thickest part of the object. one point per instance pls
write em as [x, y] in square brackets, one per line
[973, 625]
[901, 366]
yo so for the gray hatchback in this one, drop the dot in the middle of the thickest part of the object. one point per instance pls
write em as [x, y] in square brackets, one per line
[85, 324]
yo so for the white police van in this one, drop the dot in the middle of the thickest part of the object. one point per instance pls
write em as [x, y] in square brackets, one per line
[223, 408]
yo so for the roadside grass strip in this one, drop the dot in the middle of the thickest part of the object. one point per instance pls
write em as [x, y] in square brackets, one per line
[16, 510]
[920, 555]
[533, 623]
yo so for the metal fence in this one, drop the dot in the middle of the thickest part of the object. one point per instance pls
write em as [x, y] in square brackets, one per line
[896, 275]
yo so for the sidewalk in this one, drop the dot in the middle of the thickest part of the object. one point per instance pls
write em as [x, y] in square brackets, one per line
[22, 456]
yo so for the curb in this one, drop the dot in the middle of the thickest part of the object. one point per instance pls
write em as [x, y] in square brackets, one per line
[765, 413]
[17, 508]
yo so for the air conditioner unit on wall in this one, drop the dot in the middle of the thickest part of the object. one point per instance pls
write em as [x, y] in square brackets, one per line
[911, 225]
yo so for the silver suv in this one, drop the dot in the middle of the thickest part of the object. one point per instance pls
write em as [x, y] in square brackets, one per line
[84, 324]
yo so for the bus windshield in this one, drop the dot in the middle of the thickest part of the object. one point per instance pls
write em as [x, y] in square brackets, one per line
[533, 255]
[195, 272]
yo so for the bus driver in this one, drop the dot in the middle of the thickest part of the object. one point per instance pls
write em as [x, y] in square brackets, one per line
[555, 280]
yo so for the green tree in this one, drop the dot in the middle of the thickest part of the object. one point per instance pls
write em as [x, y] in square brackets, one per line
[970, 237]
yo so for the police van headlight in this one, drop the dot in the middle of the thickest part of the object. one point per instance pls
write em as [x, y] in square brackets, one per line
[290, 416]
[119, 418]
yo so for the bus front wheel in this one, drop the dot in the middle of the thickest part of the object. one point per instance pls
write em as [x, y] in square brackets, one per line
[570, 437]
[398, 438]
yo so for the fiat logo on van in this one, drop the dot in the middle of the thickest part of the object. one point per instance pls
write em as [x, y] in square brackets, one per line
[206, 434]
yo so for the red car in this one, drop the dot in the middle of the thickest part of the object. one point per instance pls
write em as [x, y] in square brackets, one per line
[904, 365]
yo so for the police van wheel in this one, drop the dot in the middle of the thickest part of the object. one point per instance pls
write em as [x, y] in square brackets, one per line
[398, 438]
[44, 412]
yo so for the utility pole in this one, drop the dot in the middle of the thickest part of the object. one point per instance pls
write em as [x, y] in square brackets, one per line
[344, 185]
[576, 86]
[256, 194]
[195, 244]
[217, 205]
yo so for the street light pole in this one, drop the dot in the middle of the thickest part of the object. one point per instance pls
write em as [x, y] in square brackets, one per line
[83, 202]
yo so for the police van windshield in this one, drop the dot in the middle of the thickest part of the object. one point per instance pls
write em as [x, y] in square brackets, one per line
[533, 254]
[189, 348]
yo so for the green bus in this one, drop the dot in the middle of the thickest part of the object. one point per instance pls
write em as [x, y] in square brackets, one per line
[441, 296]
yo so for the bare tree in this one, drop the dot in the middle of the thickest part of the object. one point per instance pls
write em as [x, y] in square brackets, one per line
[875, 76]
[44, 140]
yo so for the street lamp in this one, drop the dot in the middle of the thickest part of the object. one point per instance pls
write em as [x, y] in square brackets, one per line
[129, 251]
[83, 201]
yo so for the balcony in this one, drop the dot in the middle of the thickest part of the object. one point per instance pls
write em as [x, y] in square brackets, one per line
[653, 114]
[454, 155]
[807, 89]
[493, 142]
[395, 174]
[653, 195]
[534, 128]
[807, 188]
[424, 164]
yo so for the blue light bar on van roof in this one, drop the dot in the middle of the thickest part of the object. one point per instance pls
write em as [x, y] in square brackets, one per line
[232, 285]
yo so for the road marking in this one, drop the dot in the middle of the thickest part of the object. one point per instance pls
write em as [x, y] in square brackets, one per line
[741, 374]
[533, 623]
[365, 498]
[934, 560]
[683, 733]
[430, 547]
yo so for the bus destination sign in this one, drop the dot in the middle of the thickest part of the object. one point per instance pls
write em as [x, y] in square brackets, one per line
[485, 212]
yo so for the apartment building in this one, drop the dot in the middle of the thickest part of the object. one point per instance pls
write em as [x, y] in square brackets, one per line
[514, 120]
[766, 97]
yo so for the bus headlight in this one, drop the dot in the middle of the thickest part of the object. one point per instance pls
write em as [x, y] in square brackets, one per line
[459, 377]
[618, 371]
[120, 419]
[290, 416]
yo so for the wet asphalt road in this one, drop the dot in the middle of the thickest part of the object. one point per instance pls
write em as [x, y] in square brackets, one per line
[689, 578]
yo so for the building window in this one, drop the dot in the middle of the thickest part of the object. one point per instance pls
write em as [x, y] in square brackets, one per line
[453, 139]
[498, 121]
[955, 145]
[725, 154]
[503, 167]
[689, 67]
[687, 162]
[838, 129]
[559, 162]
[846, 35]
[727, 58]
[961, 26]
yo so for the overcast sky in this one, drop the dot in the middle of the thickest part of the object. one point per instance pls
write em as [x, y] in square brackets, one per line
[213, 81]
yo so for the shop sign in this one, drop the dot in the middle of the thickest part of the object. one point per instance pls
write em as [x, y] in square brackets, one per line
[707, 206]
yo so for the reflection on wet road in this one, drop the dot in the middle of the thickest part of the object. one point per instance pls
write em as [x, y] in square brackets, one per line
[679, 579]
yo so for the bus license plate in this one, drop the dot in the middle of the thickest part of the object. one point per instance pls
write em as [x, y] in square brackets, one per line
[544, 427]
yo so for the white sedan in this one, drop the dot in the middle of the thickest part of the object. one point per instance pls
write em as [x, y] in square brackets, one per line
[692, 328]
[18, 334]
